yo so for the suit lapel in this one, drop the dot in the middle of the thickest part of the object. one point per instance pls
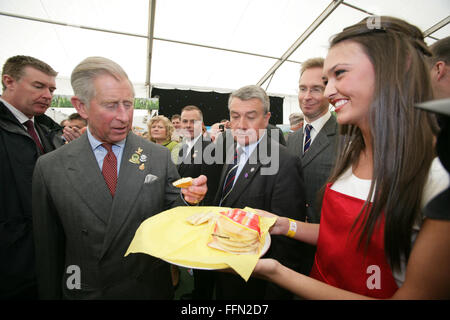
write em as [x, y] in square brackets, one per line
[320, 142]
[249, 171]
[228, 158]
[131, 179]
[87, 180]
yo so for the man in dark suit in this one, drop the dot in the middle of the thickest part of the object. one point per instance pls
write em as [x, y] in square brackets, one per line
[316, 142]
[318, 152]
[196, 157]
[196, 154]
[25, 134]
[262, 175]
[91, 195]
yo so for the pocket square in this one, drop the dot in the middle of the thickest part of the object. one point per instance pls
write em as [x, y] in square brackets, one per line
[150, 178]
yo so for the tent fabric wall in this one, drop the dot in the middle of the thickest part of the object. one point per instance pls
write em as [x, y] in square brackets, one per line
[211, 45]
[214, 105]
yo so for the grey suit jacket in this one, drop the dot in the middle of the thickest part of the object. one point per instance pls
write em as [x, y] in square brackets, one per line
[77, 224]
[317, 163]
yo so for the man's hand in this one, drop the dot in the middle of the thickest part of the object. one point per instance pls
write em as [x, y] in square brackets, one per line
[196, 192]
[73, 133]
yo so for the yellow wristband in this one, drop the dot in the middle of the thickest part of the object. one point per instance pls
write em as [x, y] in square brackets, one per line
[292, 228]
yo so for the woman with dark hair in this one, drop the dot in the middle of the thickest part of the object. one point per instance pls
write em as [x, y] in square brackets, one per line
[373, 240]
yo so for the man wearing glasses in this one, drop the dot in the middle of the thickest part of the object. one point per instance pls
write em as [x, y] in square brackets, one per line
[316, 142]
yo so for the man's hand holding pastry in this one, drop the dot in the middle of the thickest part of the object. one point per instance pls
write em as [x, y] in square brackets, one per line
[194, 190]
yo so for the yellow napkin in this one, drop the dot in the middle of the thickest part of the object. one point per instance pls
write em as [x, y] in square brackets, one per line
[169, 236]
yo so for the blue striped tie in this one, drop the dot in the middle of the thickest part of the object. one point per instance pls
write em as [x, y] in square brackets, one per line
[231, 175]
[307, 137]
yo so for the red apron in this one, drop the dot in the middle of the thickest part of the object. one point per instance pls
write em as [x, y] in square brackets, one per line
[339, 262]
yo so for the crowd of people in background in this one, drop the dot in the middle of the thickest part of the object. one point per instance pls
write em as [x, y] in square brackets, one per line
[359, 193]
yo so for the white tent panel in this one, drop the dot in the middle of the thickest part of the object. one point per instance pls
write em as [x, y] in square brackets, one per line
[253, 33]
[125, 16]
[264, 27]
[187, 65]
[421, 13]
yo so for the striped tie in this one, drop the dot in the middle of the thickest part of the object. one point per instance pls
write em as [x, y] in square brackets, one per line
[231, 175]
[109, 169]
[307, 137]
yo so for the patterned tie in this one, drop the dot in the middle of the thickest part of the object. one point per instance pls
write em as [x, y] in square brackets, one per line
[33, 134]
[109, 169]
[307, 137]
[231, 175]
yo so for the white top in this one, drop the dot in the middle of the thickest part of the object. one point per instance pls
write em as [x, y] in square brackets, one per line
[438, 180]
[317, 125]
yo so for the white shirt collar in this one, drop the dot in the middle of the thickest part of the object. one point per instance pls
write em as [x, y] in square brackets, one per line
[16, 112]
[248, 149]
[192, 142]
[318, 123]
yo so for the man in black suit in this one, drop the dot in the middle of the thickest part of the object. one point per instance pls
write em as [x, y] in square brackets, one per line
[317, 148]
[25, 134]
[196, 154]
[263, 176]
[196, 157]
[316, 142]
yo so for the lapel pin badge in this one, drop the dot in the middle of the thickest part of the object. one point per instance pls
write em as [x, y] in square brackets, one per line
[143, 158]
[252, 169]
[142, 167]
[134, 158]
[246, 175]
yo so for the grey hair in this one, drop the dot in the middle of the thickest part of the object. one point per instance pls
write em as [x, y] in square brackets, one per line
[251, 92]
[86, 71]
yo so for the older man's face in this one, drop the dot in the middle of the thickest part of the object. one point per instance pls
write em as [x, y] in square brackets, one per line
[247, 120]
[110, 114]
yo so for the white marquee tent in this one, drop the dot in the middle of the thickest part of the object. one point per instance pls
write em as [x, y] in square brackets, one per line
[197, 44]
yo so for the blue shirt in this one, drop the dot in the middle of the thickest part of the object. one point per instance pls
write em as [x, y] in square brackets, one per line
[100, 152]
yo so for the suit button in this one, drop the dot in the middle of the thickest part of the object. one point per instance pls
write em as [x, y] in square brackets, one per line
[307, 205]
[84, 231]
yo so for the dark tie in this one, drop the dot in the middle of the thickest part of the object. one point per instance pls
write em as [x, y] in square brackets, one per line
[109, 169]
[33, 134]
[231, 175]
[307, 137]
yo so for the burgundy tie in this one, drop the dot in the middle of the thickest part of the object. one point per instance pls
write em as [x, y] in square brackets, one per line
[109, 169]
[32, 132]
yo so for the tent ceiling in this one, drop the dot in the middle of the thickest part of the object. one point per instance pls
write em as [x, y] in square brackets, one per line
[214, 44]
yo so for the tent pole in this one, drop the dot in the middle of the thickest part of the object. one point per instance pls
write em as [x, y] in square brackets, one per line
[151, 26]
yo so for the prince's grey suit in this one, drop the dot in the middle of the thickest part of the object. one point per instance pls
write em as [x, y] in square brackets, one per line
[317, 163]
[78, 223]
